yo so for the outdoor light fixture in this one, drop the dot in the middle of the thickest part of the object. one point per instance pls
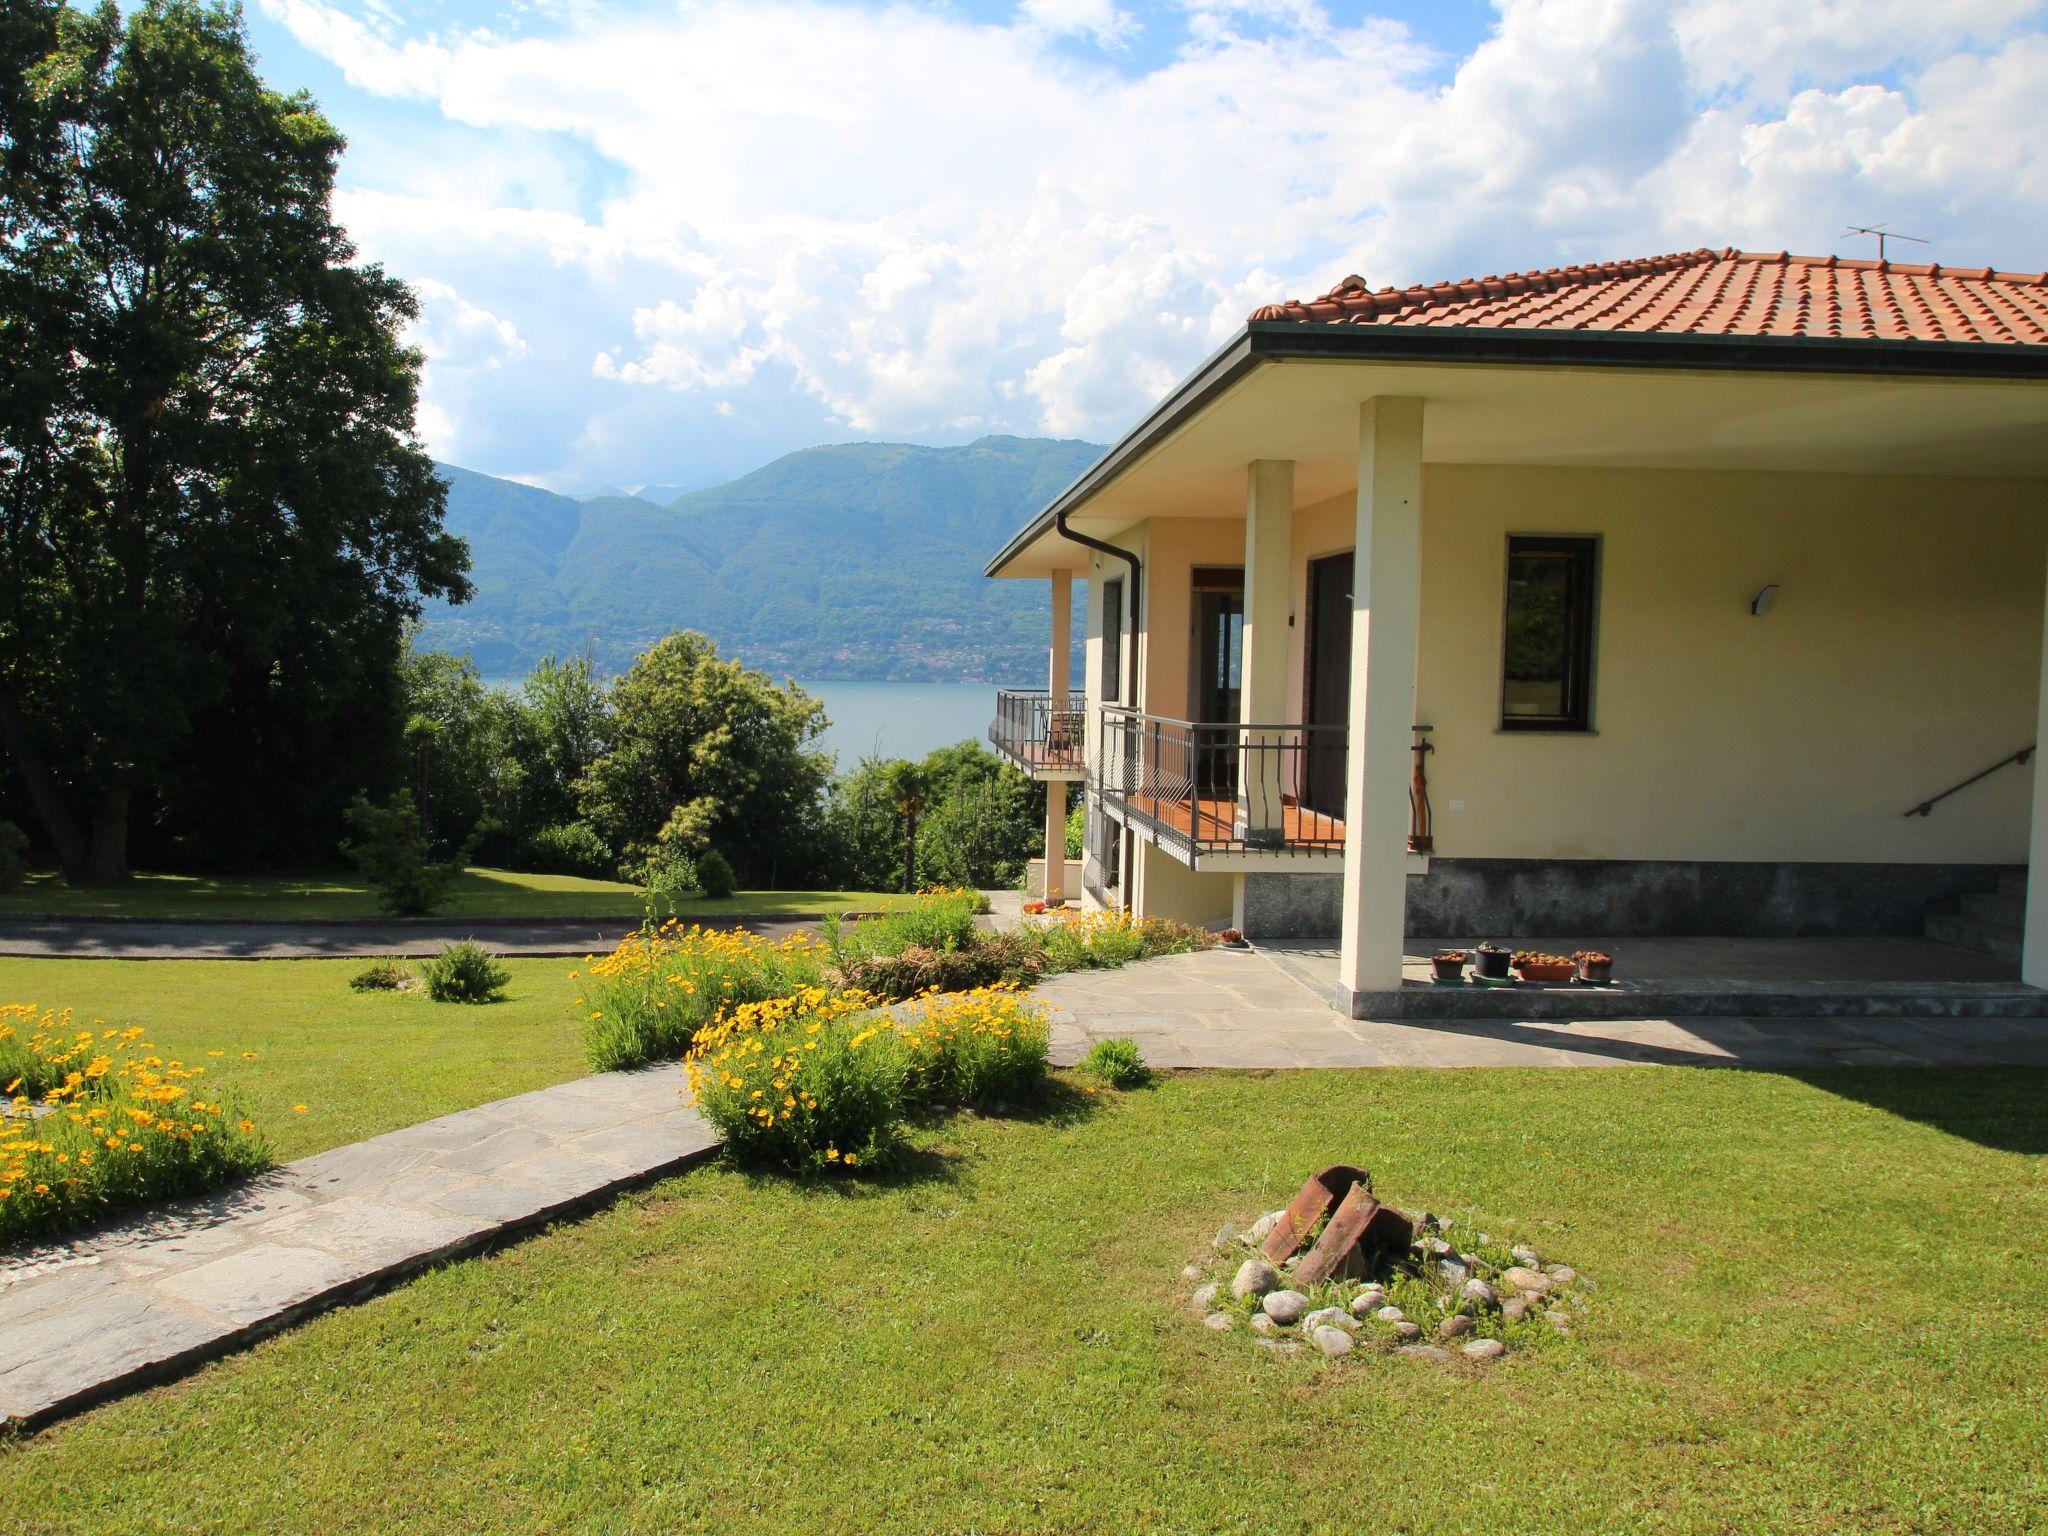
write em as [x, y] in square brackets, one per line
[1761, 603]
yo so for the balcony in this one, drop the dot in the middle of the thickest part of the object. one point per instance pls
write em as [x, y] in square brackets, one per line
[1224, 796]
[1046, 740]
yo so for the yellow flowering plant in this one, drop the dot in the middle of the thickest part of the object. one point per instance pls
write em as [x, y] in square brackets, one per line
[95, 1120]
[648, 999]
[986, 1046]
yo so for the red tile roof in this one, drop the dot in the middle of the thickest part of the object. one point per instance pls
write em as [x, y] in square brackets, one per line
[1715, 293]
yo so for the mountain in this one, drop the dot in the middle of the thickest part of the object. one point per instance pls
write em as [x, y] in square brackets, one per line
[858, 560]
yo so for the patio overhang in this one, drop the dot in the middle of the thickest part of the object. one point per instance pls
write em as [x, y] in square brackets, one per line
[1288, 390]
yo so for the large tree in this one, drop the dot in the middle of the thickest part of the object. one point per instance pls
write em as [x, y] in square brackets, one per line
[213, 507]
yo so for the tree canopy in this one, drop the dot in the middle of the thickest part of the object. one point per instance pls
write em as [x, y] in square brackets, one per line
[215, 517]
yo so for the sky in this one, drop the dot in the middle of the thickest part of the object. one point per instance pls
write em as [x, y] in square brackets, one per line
[666, 242]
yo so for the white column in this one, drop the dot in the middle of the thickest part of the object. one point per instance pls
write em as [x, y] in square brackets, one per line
[1055, 842]
[2034, 950]
[1385, 621]
[1059, 732]
[1262, 675]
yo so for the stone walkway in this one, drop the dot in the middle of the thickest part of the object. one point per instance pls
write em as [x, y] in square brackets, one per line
[83, 1321]
[150, 940]
[1234, 1008]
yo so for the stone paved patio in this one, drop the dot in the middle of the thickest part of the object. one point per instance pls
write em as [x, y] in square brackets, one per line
[1225, 1008]
[82, 1321]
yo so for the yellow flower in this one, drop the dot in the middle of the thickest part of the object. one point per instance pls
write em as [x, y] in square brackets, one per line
[298, 1109]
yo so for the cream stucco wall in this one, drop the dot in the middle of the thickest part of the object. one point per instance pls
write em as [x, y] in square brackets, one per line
[1901, 655]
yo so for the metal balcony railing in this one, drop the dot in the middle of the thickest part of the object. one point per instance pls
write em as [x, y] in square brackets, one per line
[1223, 788]
[1038, 735]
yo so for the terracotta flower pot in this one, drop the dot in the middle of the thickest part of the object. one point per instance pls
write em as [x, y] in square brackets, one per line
[1450, 965]
[1594, 969]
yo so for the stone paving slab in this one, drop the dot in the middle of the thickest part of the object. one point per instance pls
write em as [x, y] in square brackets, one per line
[149, 1298]
[1238, 1009]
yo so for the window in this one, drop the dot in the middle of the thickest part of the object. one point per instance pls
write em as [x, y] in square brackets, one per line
[1112, 641]
[1547, 667]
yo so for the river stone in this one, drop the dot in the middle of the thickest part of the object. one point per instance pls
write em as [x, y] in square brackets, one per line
[1390, 1314]
[1406, 1330]
[1423, 1352]
[1434, 1246]
[1515, 1308]
[1191, 1272]
[1254, 1278]
[1481, 1292]
[1371, 1299]
[1456, 1326]
[1328, 1317]
[1222, 1322]
[1285, 1307]
[1561, 1321]
[1332, 1341]
[1522, 1278]
[1263, 1228]
[1204, 1300]
[1454, 1273]
[1264, 1324]
[1522, 1253]
[1225, 1235]
[1279, 1346]
[1563, 1274]
[1485, 1349]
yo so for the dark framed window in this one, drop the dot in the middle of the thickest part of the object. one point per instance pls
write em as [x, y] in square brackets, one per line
[1112, 641]
[1547, 662]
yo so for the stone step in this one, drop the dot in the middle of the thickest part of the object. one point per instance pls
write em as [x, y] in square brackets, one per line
[2003, 910]
[1964, 932]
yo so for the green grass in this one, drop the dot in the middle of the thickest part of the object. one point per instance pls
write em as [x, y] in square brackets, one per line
[1819, 1311]
[361, 1062]
[478, 893]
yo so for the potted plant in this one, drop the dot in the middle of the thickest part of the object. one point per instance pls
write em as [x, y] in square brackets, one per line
[1449, 964]
[1490, 963]
[1034, 908]
[1595, 969]
[1535, 965]
[1232, 938]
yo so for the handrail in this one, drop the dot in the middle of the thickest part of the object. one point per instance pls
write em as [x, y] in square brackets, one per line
[1926, 807]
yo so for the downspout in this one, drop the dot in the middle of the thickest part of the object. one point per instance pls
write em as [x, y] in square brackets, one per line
[1130, 670]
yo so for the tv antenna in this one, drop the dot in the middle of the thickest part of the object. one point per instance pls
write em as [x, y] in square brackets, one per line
[1882, 234]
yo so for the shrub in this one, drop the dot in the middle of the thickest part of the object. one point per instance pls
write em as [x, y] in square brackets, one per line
[122, 1126]
[1092, 940]
[392, 853]
[804, 1083]
[715, 877]
[1116, 1062]
[569, 848]
[988, 958]
[938, 920]
[982, 1047]
[13, 856]
[464, 973]
[649, 997]
[380, 978]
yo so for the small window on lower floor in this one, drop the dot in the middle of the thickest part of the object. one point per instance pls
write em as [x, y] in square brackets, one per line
[1547, 667]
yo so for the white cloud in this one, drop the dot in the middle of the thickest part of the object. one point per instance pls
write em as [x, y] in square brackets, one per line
[909, 223]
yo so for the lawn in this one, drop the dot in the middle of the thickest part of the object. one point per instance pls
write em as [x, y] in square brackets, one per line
[361, 1062]
[1819, 1311]
[478, 893]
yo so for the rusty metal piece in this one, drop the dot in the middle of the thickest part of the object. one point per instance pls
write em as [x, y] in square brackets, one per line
[1317, 1196]
[1361, 1228]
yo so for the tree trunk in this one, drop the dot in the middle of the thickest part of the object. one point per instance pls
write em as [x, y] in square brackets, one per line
[45, 798]
[106, 861]
[910, 851]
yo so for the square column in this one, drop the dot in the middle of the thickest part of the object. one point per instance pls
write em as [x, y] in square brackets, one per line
[1062, 637]
[2034, 940]
[1061, 735]
[1265, 769]
[1055, 842]
[1385, 626]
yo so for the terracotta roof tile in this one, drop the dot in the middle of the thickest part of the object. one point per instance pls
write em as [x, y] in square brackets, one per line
[1715, 293]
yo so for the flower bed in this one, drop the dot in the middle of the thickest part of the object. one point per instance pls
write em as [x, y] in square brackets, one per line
[648, 999]
[96, 1122]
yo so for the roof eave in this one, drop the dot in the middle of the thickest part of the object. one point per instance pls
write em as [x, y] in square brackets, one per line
[1263, 341]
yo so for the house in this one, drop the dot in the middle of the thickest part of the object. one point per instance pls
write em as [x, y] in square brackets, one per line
[1650, 597]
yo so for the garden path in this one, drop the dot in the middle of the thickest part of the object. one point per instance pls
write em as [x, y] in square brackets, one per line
[151, 1297]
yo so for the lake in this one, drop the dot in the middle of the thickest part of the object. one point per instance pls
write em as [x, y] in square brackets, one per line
[901, 719]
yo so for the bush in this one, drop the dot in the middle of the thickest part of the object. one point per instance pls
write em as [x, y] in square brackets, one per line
[1116, 1063]
[715, 877]
[123, 1127]
[392, 853]
[987, 959]
[1094, 940]
[804, 1083]
[647, 999]
[937, 920]
[380, 978]
[987, 1046]
[464, 973]
[569, 848]
[13, 856]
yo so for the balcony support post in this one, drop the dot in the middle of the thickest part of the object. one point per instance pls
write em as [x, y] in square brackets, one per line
[1263, 761]
[1385, 628]
[1055, 890]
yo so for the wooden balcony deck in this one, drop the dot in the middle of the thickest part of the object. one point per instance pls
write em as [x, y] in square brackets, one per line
[1042, 757]
[1209, 822]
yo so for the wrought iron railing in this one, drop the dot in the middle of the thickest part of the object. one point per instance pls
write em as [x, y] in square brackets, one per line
[2021, 757]
[1041, 735]
[1224, 788]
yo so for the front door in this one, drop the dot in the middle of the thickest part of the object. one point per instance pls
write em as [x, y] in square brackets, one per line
[1217, 656]
[1329, 682]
